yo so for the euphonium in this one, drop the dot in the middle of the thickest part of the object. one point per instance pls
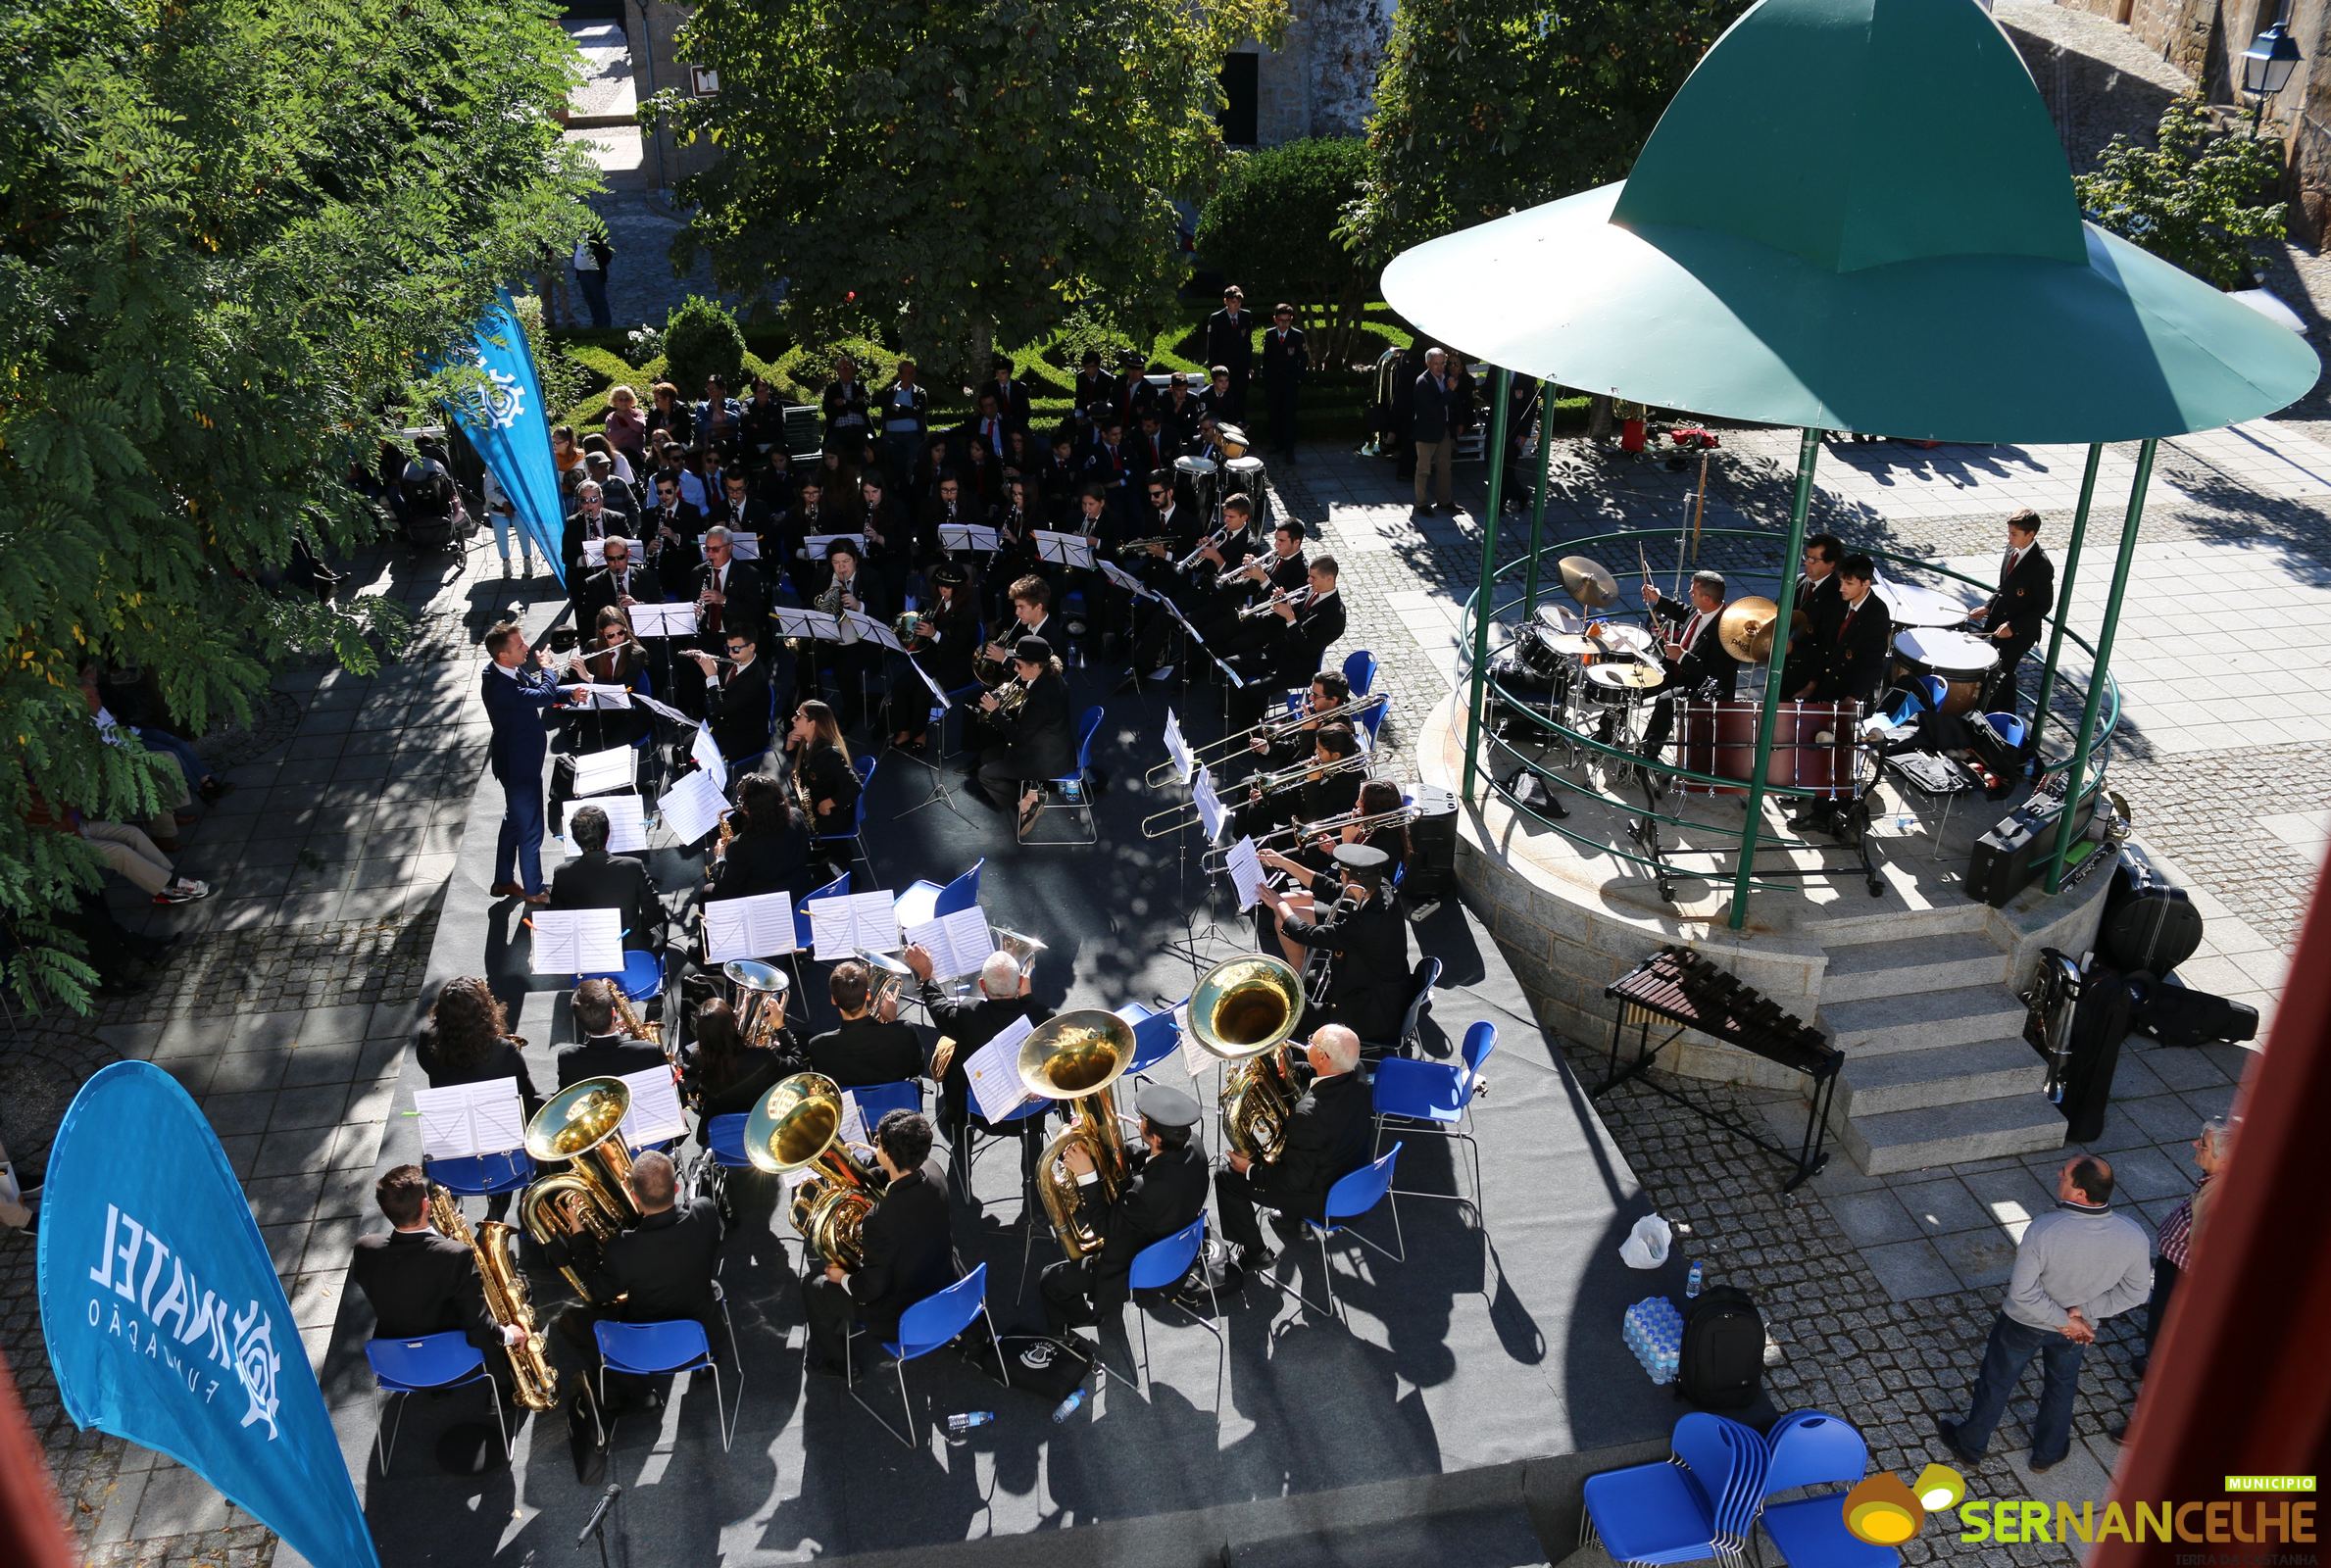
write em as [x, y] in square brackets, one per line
[757, 996]
[1075, 1057]
[1242, 1011]
[798, 1126]
[534, 1381]
[581, 1124]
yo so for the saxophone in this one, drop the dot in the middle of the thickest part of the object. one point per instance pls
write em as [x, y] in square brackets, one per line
[629, 1021]
[535, 1381]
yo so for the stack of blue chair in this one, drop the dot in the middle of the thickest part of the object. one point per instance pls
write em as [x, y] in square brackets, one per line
[1700, 1503]
[1811, 1449]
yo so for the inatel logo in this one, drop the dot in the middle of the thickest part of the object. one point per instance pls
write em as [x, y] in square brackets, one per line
[1886, 1513]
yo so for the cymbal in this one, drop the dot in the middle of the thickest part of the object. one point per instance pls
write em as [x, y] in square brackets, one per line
[1588, 581]
[1745, 629]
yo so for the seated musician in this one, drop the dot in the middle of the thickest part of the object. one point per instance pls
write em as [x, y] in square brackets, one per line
[723, 1076]
[1365, 944]
[737, 700]
[965, 1025]
[1698, 665]
[467, 1040]
[620, 584]
[946, 507]
[1172, 531]
[1246, 577]
[1036, 742]
[1016, 520]
[770, 849]
[1296, 643]
[420, 1281]
[1106, 604]
[907, 1249]
[593, 879]
[870, 1046]
[889, 535]
[823, 778]
[1328, 791]
[1328, 1137]
[612, 658]
[667, 1267]
[1031, 616]
[730, 594]
[1164, 1189]
[602, 1050]
[944, 641]
[1305, 863]
[1851, 660]
[1277, 747]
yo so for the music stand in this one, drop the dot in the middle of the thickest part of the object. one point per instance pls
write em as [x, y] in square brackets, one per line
[940, 794]
[662, 622]
[1192, 945]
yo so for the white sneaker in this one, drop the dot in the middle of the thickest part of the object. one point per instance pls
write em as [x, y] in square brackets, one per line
[184, 891]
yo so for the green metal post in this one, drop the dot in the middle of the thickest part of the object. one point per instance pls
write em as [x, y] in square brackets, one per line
[2064, 598]
[1809, 448]
[1529, 586]
[1485, 603]
[2103, 669]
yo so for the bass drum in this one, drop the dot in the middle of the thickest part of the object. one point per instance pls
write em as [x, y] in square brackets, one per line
[1815, 747]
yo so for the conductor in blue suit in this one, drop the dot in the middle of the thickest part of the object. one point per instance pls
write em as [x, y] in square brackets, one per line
[516, 692]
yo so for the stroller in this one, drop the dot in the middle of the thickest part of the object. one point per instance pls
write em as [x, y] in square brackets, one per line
[429, 509]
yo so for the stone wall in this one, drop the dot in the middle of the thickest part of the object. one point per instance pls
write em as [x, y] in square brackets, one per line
[1321, 78]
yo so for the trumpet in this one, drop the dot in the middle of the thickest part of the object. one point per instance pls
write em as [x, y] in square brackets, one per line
[1155, 545]
[1271, 732]
[1159, 824]
[1256, 570]
[1304, 832]
[1263, 607]
[1216, 539]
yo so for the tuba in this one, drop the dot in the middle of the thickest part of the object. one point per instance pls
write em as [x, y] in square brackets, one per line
[1021, 946]
[757, 995]
[534, 1381]
[1242, 1011]
[581, 1124]
[798, 1126]
[1075, 1057]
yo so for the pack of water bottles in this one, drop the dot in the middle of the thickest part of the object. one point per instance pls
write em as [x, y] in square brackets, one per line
[1655, 1333]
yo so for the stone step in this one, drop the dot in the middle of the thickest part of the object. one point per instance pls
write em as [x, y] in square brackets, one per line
[1941, 963]
[1949, 1135]
[1922, 1019]
[1916, 1080]
[1882, 922]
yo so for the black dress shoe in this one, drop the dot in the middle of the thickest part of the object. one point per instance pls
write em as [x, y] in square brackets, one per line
[1255, 1258]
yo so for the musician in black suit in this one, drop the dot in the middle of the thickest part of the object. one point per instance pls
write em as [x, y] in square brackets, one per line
[1031, 616]
[1178, 412]
[770, 849]
[669, 536]
[1296, 640]
[1162, 1189]
[1093, 383]
[591, 518]
[1229, 342]
[1698, 665]
[1011, 395]
[2013, 615]
[1818, 601]
[618, 584]
[1328, 1137]
[1851, 659]
[729, 594]
[1366, 942]
[737, 700]
[421, 1282]
[1280, 569]
[965, 1025]
[1309, 800]
[597, 880]
[870, 1046]
[1038, 742]
[666, 1267]
[824, 782]
[602, 1050]
[1285, 361]
[907, 1250]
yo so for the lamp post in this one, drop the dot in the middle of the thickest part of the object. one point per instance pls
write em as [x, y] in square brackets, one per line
[2267, 64]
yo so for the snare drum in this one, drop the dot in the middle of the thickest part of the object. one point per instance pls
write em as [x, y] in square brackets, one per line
[1613, 685]
[1960, 659]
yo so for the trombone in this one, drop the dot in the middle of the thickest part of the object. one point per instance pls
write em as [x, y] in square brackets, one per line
[1214, 860]
[1159, 824]
[1272, 731]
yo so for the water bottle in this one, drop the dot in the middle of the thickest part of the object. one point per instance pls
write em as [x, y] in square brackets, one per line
[1902, 820]
[956, 1425]
[1691, 1286]
[1067, 1407]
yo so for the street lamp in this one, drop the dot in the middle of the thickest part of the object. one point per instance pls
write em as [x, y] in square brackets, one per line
[2267, 64]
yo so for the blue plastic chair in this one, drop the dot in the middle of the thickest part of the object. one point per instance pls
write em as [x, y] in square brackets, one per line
[924, 902]
[664, 1350]
[481, 1175]
[1425, 976]
[1156, 1269]
[1352, 1197]
[856, 837]
[1359, 671]
[1808, 1449]
[1694, 1506]
[1155, 1036]
[1923, 694]
[1437, 1097]
[931, 1324]
[877, 1101]
[724, 1141]
[2011, 728]
[641, 977]
[1075, 789]
[431, 1364]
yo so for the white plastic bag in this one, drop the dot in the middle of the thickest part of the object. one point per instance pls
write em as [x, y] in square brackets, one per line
[1646, 1246]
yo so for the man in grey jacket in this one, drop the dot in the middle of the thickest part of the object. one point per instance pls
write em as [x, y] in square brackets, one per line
[2078, 1265]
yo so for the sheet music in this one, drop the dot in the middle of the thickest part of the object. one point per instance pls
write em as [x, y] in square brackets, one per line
[655, 1112]
[692, 807]
[993, 1072]
[852, 1129]
[840, 926]
[937, 691]
[595, 550]
[707, 754]
[1195, 1059]
[1210, 805]
[605, 698]
[465, 1119]
[660, 710]
[1246, 872]
[626, 822]
[663, 621]
[966, 537]
[959, 943]
[872, 630]
[577, 941]
[758, 927]
[1065, 549]
[1177, 747]
[812, 623]
[816, 543]
[741, 546]
[597, 773]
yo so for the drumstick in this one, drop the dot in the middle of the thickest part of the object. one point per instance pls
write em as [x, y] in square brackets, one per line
[1643, 563]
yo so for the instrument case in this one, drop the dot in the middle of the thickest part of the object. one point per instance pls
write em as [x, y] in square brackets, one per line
[2150, 923]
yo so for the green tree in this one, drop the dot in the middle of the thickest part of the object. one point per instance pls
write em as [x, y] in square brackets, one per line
[1485, 107]
[1270, 227]
[2195, 198]
[945, 174]
[234, 230]
[701, 338]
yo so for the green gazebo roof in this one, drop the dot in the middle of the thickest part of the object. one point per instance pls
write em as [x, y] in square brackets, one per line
[1856, 216]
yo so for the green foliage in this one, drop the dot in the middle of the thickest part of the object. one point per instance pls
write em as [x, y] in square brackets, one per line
[701, 338]
[1485, 107]
[2194, 199]
[564, 383]
[1086, 328]
[233, 228]
[950, 173]
[1271, 227]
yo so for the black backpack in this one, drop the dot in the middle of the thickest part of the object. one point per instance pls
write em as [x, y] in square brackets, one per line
[1722, 1363]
